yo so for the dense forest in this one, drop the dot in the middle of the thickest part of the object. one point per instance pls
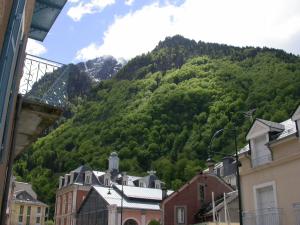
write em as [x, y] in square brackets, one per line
[161, 109]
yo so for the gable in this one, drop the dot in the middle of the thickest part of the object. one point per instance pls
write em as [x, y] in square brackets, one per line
[192, 186]
[257, 129]
[92, 202]
[25, 196]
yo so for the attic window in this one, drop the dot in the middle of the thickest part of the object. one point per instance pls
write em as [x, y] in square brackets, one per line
[106, 182]
[261, 154]
[157, 184]
[88, 179]
[142, 184]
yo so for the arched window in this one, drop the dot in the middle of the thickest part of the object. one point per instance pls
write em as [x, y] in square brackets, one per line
[130, 222]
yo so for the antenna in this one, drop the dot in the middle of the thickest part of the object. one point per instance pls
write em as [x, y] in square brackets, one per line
[249, 114]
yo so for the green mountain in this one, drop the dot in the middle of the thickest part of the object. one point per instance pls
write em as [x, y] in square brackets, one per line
[161, 109]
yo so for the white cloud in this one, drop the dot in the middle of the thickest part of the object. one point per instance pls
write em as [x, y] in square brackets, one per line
[91, 7]
[73, 1]
[35, 48]
[129, 2]
[271, 23]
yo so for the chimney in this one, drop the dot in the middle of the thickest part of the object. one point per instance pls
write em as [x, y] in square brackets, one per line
[210, 164]
[164, 191]
[113, 162]
[228, 166]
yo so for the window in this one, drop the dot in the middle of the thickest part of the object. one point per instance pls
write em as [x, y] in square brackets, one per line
[157, 184]
[64, 204]
[106, 182]
[38, 210]
[261, 153]
[201, 193]
[21, 210]
[28, 210]
[58, 206]
[142, 184]
[28, 215]
[38, 220]
[180, 215]
[266, 204]
[70, 202]
[88, 179]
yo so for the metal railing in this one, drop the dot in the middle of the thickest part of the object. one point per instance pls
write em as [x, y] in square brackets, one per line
[34, 69]
[43, 82]
[296, 207]
[261, 160]
[270, 216]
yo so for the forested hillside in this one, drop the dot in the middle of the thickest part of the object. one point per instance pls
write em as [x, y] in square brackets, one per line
[161, 109]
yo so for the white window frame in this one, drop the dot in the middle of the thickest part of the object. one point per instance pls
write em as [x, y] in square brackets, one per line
[157, 184]
[199, 194]
[88, 178]
[183, 221]
[267, 184]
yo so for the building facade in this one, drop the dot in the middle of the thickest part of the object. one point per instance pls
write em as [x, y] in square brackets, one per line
[189, 204]
[270, 172]
[25, 208]
[74, 187]
[19, 19]
[128, 205]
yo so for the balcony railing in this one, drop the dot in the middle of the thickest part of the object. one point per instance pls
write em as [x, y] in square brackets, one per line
[270, 216]
[34, 69]
[40, 84]
[296, 207]
[261, 160]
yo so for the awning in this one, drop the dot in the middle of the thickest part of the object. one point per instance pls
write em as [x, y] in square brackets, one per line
[44, 15]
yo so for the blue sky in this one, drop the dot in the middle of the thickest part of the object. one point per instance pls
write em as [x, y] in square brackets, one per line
[86, 29]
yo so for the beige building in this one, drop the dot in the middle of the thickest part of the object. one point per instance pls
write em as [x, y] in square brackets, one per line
[25, 208]
[21, 121]
[269, 173]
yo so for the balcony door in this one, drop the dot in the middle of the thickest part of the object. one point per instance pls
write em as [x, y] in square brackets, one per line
[267, 212]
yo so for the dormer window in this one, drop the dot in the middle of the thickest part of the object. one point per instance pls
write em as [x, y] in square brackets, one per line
[260, 153]
[88, 178]
[106, 181]
[260, 134]
[61, 182]
[157, 184]
[72, 178]
[142, 184]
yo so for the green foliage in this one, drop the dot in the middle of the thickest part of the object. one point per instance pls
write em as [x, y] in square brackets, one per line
[162, 109]
[154, 222]
[49, 222]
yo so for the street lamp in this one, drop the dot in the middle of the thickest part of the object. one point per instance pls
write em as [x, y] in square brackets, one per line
[122, 178]
[237, 167]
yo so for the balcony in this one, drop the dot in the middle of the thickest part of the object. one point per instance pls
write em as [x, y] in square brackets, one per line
[257, 161]
[35, 114]
[270, 216]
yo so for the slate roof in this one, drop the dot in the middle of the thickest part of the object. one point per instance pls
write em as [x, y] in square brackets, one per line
[114, 198]
[272, 124]
[142, 193]
[288, 128]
